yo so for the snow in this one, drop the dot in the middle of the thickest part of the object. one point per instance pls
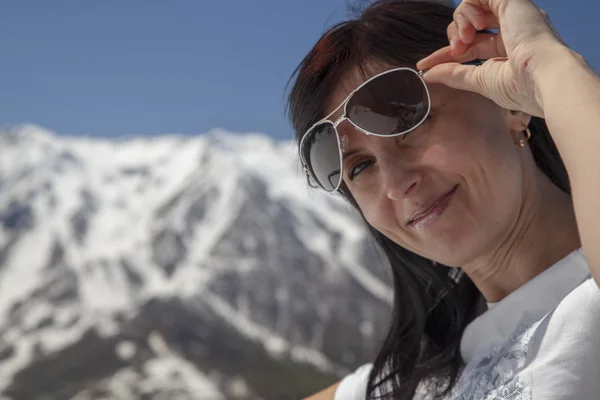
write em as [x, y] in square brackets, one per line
[22, 355]
[130, 191]
[275, 344]
[167, 373]
[169, 369]
[28, 257]
[53, 339]
[104, 288]
[126, 350]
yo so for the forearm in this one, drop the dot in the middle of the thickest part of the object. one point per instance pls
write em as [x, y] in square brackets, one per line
[569, 91]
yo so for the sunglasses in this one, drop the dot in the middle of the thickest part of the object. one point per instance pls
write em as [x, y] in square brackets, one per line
[389, 104]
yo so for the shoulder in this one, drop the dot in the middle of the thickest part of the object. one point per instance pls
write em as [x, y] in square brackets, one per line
[354, 386]
[578, 313]
[566, 356]
[558, 357]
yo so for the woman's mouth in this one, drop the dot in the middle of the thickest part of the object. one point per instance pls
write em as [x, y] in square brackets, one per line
[434, 212]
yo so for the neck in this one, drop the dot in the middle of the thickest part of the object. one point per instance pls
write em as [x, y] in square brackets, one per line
[545, 232]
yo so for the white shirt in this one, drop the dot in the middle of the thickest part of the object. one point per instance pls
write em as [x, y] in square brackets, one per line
[540, 342]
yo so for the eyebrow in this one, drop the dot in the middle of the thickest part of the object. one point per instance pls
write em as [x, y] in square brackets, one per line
[349, 153]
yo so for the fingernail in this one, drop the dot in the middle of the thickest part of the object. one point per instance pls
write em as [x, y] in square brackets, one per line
[452, 46]
[428, 78]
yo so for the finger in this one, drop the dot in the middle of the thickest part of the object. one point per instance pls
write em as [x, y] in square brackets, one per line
[464, 28]
[468, 77]
[470, 19]
[491, 80]
[484, 5]
[456, 44]
[475, 16]
[458, 40]
[440, 56]
[453, 75]
[485, 46]
[523, 9]
[491, 21]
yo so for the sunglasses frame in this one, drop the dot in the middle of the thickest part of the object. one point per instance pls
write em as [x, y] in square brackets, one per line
[345, 116]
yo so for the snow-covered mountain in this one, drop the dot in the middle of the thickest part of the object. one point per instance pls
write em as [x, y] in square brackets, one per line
[177, 267]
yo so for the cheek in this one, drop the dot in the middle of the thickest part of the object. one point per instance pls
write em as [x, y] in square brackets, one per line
[380, 214]
[448, 161]
[385, 216]
[489, 172]
[480, 149]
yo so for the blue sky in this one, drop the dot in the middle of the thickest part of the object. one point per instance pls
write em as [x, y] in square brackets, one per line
[130, 67]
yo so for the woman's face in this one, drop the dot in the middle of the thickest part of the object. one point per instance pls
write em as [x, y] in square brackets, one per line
[467, 144]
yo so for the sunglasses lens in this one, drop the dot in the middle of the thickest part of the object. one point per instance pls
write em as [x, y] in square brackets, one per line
[392, 103]
[321, 153]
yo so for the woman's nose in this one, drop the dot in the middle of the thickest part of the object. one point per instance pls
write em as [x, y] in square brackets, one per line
[399, 182]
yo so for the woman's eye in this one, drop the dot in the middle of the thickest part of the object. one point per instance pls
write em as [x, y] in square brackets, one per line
[358, 168]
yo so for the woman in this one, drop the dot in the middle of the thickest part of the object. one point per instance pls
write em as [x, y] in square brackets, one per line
[457, 174]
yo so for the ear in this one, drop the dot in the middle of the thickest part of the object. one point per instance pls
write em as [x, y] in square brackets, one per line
[517, 121]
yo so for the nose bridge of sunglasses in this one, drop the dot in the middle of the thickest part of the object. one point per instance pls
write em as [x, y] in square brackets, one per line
[339, 120]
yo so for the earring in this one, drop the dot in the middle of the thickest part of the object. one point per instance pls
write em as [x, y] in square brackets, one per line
[522, 142]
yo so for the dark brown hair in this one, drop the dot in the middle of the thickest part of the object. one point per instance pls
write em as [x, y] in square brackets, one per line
[433, 303]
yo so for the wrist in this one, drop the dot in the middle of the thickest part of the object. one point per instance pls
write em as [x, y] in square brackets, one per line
[552, 71]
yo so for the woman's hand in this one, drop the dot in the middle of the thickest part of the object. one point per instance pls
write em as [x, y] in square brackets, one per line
[525, 44]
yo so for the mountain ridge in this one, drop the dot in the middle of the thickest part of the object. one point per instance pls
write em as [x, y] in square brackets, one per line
[94, 231]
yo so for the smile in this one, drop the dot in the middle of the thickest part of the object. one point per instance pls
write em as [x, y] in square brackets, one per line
[435, 211]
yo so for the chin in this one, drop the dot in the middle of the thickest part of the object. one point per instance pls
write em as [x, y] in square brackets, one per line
[447, 254]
